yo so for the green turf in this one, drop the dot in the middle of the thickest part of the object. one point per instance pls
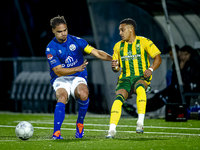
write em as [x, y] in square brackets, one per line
[158, 134]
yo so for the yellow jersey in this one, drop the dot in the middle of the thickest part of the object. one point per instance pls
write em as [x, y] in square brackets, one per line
[134, 58]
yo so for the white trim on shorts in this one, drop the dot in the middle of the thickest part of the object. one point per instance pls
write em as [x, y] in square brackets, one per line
[69, 83]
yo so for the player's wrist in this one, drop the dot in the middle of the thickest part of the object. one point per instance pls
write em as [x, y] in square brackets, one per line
[151, 69]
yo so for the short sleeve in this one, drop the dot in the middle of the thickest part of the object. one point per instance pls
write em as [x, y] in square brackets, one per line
[116, 52]
[52, 57]
[81, 42]
[151, 48]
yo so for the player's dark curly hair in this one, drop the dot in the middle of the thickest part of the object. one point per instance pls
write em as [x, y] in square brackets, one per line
[57, 20]
[129, 21]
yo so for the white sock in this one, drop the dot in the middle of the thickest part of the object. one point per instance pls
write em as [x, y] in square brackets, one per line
[112, 126]
[141, 118]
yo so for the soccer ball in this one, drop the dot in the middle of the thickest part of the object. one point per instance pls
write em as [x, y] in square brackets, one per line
[24, 130]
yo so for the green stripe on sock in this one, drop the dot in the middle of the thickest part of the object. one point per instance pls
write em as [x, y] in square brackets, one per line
[120, 97]
[138, 85]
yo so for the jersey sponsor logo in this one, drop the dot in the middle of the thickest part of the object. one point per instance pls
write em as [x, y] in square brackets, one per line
[72, 47]
[131, 57]
[69, 59]
[48, 49]
[49, 56]
[69, 62]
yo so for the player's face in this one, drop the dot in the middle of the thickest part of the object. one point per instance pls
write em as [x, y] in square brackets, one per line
[61, 32]
[125, 31]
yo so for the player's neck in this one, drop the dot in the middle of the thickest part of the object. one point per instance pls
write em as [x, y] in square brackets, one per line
[61, 41]
[131, 39]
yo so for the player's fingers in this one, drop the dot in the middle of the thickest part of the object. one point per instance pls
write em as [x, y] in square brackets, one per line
[114, 61]
[85, 61]
[84, 65]
[147, 73]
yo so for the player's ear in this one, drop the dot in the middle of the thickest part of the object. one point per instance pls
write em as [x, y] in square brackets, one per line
[53, 30]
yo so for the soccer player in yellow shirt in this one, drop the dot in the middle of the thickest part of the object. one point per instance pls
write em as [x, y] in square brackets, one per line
[131, 54]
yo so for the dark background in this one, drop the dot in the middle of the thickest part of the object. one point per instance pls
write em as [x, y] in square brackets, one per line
[37, 15]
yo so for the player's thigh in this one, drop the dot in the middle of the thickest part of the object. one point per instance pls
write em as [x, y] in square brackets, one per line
[62, 89]
[79, 88]
[141, 82]
[122, 92]
[62, 95]
[123, 87]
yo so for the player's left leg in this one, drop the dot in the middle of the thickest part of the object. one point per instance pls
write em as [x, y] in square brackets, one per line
[81, 93]
[141, 101]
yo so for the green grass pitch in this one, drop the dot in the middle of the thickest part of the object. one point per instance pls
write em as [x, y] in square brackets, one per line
[158, 134]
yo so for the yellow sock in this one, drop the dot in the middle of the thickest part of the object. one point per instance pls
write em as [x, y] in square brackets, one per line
[141, 99]
[116, 109]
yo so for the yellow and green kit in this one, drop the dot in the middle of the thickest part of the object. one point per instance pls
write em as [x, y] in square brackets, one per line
[134, 60]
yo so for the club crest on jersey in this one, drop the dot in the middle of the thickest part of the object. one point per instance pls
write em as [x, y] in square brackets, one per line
[72, 47]
[138, 46]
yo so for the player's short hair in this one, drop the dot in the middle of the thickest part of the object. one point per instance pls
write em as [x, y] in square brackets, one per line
[57, 20]
[129, 21]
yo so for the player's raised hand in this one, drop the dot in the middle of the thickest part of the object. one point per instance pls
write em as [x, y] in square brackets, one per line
[83, 66]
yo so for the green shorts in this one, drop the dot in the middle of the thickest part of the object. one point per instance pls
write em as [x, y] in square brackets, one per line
[128, 83]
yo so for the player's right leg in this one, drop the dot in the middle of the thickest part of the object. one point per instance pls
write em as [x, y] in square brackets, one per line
[59, 114]
[80, 91]
[116, 111]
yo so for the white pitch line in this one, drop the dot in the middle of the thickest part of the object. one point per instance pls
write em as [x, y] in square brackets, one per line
[28, 140]
[4, 126]
[128, 126]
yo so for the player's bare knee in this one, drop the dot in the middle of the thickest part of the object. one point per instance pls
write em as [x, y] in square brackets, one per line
[83, 94]
[61, 96]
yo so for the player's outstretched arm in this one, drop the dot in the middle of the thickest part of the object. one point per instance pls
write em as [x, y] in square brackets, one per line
[59, 71]
[101, 55]
[156, 63]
